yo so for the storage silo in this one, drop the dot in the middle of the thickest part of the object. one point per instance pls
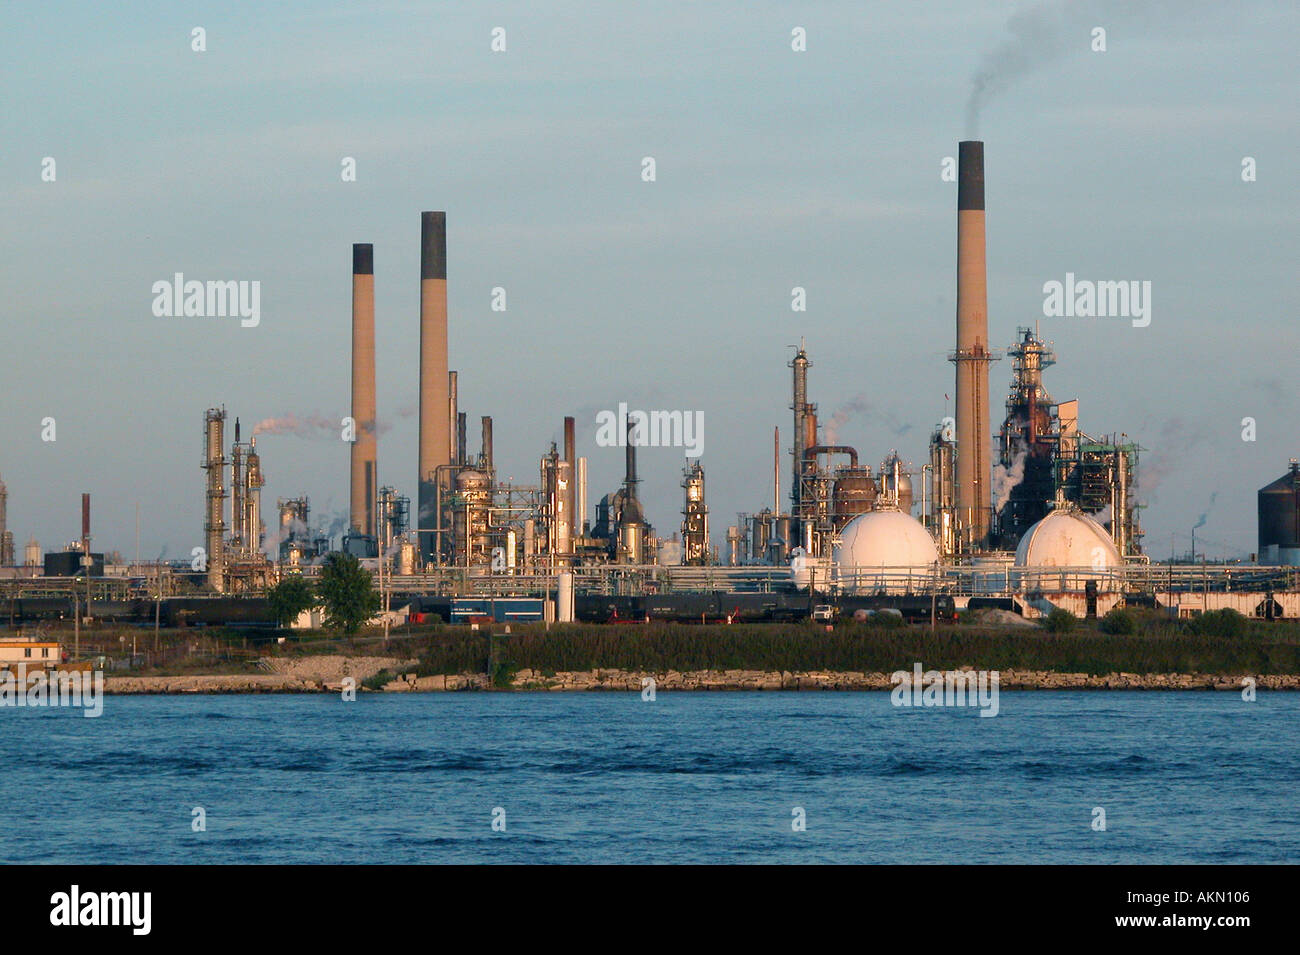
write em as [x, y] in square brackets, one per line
[1279, 519]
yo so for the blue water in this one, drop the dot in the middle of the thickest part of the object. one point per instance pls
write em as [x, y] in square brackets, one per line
[690, 777]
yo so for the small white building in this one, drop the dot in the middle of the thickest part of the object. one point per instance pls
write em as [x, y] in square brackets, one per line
[32, 653]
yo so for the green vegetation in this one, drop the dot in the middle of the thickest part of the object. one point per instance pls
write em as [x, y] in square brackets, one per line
[379, 680]
[1118, 623]
[348, 593]
[290, 597]
[1220, 623]
[1060, 621]
[1214, 643]
[1274, 649]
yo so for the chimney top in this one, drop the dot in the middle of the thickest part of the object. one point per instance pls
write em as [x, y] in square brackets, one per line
[970, 175]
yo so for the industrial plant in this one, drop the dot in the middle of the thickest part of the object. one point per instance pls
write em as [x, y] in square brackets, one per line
[1041, 515]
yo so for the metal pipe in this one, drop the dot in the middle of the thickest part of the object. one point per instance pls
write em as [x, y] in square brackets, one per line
[813, 451]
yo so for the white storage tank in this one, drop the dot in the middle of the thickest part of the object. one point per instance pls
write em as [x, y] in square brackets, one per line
[1064, 551]
[885, 550]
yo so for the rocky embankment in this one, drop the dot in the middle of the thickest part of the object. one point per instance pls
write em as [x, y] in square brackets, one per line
[315, 674]
[817, 680]
[312, 674]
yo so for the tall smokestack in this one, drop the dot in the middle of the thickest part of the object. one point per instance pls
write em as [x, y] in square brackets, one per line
[435, 424]
[972, 356]
[453, 414]
[488, 466]
[85, 519]
[365, 445]
[802, 408]
[630, 478]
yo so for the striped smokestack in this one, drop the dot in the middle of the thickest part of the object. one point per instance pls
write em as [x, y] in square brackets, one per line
[972, 356]
[435, 423]
[365, 445]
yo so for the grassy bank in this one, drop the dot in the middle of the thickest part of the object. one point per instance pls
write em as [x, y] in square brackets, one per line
[1150, 645]
[857, 649]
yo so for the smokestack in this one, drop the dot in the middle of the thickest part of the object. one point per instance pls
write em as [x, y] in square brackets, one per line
[580, 509]
[571, 455]
[85, 521]
[435, 425]
[630, 478]
[365, 444]
[801, 407]
[776, 469]
[462, 447]
[487, 444]
[453, 414]
[972, 356]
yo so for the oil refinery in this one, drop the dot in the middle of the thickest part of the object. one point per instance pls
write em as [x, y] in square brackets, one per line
[1041, 514]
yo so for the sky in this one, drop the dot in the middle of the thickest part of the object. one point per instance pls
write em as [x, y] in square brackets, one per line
[775, 169]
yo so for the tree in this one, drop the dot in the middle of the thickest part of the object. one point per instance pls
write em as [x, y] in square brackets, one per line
[348, 593]
[290, 597]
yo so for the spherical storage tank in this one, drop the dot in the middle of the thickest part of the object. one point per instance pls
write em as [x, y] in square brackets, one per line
[1065, 538]
[884, 550]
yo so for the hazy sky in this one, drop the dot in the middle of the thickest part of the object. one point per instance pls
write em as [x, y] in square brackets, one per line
[775, 169]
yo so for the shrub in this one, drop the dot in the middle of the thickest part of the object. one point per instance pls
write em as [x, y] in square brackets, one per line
[1060, 621]
[1220, 623]
[1118, 622]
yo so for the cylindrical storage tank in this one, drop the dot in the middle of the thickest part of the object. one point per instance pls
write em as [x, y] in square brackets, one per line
[760, 530]
[891, 469]
[854, 493]
[733, 546]
[632, 542]
[406, 559]
[32, 553]
[785, 534]
[905, 492]
[564, 597]
[1279, 519]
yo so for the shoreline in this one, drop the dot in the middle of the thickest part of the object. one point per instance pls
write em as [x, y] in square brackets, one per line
[327, 675]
